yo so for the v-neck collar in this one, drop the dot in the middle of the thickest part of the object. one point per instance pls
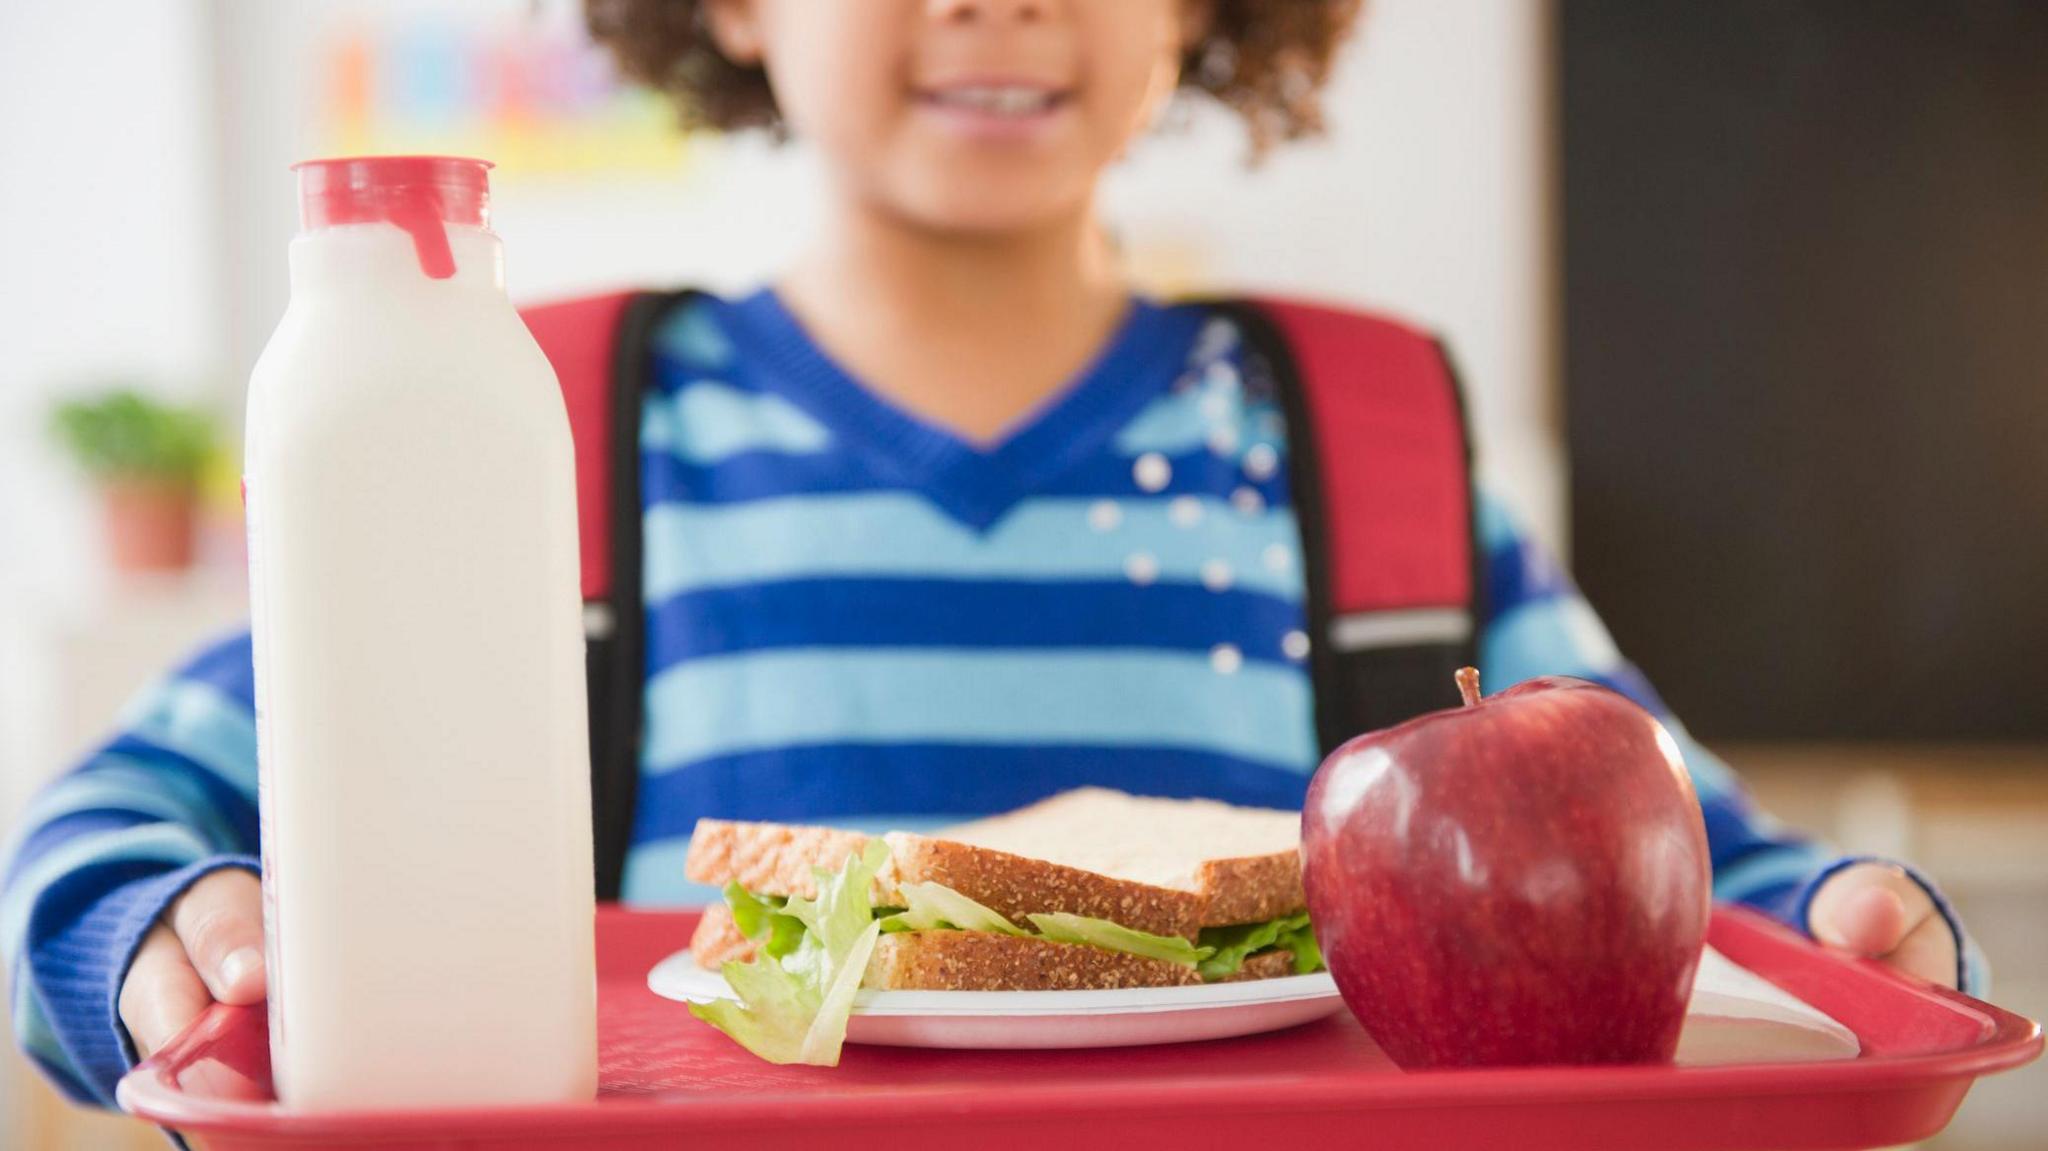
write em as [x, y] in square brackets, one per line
[974, 483]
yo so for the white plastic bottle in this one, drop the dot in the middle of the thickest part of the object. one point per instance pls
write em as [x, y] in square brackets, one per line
[425, 791]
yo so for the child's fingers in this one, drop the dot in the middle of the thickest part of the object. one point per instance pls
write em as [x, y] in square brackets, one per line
[1928, 951]
[1867, 909]
[1877, 910]
[1868, 920]
[220, 921]
[162, 994]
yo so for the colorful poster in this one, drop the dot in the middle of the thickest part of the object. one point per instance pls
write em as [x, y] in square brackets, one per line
[534, 96]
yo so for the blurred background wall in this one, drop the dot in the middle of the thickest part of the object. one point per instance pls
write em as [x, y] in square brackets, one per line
[1806, 300]
[145, 207]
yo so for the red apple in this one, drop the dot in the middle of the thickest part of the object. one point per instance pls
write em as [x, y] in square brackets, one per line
[1521, 880]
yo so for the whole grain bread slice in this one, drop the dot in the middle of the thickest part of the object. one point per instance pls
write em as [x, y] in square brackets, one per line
[774, 858]
[1243, 862]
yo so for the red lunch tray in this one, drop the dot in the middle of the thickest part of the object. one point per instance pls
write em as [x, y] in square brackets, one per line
[669, 1080]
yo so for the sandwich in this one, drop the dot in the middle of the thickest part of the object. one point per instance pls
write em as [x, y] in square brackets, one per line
[1090, 889]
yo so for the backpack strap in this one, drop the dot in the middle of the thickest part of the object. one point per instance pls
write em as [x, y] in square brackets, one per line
[598, 347]
[1381, 470]
[580, 339]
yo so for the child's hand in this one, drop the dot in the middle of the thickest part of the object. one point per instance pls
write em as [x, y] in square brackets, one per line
[207, 948]
[1873, 909]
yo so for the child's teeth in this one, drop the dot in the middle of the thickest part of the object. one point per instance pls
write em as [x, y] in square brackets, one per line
[1001, 101]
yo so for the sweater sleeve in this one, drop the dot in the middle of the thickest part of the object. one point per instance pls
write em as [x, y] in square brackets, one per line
[1536, 623]
[106, 847]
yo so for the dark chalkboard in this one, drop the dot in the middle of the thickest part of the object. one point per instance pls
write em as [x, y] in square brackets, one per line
[1806, 341]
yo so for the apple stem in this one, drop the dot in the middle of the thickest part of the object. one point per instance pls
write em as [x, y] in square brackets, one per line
[1468, 685]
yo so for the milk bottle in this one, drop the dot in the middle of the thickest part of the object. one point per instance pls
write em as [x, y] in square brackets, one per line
[424, 785]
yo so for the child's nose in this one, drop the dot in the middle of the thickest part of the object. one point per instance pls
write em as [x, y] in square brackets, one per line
[995, 11]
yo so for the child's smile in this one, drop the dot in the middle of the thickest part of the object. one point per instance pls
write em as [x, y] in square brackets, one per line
[995, 109]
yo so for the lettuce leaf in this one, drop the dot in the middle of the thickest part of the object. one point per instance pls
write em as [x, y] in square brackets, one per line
[793, 1007]
[842, 908]
[827, 1034]
[1114, 937]
[760, 917]
[750, 912]
[934, 906]
[1237, 943]
[774, 1011]
[1308, 954]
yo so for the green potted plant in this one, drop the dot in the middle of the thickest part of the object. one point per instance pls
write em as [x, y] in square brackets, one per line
[146, 457]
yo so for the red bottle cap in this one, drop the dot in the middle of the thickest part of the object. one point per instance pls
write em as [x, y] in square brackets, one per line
[421, 194]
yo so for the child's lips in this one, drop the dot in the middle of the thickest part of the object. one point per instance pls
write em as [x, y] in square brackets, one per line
[994, 111]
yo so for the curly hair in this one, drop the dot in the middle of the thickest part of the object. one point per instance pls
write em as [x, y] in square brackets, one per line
[1265, 60]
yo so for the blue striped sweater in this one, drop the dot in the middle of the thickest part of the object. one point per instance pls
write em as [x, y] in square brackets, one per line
[859, 618]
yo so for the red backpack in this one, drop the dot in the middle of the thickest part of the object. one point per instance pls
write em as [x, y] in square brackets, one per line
[1381, 475]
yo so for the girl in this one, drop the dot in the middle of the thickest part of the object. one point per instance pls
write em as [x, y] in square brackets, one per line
[947, 519]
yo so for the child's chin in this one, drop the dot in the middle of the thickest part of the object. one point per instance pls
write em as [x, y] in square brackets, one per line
[987, 208]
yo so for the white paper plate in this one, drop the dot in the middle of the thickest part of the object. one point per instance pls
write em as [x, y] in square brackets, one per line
[1736, 1016]
[1125, 1017]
